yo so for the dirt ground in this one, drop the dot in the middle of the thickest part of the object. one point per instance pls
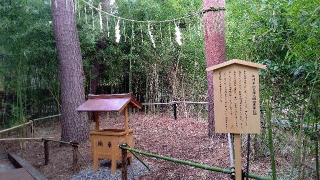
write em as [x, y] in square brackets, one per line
[183, 138]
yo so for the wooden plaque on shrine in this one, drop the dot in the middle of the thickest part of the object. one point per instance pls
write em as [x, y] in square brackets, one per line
[236, 97]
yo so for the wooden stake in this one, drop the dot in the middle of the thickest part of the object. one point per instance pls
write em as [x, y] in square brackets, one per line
[75, 165]
[174, 105]
[32, 129]
[46, 152]
[237, 154]
[124, 164]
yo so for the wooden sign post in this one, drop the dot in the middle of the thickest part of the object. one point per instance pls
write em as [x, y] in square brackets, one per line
[236, 102]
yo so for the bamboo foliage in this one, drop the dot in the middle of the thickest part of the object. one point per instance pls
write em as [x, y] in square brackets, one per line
[281, 34]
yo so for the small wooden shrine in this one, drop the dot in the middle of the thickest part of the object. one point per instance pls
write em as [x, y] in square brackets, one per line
[105, 142]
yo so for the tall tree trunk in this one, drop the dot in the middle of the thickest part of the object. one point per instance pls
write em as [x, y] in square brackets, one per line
[214, 48]
[74, 125]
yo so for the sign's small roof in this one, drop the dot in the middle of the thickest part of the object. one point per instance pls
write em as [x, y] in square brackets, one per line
[237, 61]
[109, 102]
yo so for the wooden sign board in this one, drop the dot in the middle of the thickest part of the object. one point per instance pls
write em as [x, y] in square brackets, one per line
[236, 97]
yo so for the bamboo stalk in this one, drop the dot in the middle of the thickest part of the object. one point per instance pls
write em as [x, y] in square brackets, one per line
[317, 159]
[63, 142]
[27, 123]
[15, 127]
[189, 163]
[174, 102]
[270, 138]
[47, 117]
[19, 139]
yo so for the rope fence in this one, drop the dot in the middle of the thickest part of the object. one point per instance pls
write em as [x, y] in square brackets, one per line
[23, 139]
[74, 145]
[174, 105]
[229, 171]
[174, 102]
[47, 117]
[30, 122]
[15, 127]
[278, 123]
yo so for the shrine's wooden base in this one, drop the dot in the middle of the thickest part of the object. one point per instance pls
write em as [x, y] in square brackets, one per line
[105, 145]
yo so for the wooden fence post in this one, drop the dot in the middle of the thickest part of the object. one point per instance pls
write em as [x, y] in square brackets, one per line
[75, 165]
[174, 105]
[32, 129]
[124, 174]
[46, 152]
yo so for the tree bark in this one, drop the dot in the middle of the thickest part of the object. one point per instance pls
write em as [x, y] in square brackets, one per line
[74, 125]
[214, 49]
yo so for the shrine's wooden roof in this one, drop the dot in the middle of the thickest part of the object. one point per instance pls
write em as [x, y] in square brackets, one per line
[109, 102]
[237, 61]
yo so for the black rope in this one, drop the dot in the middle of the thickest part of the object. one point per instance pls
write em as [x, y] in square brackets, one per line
[213, 9]
[139, 159]
[135, 155]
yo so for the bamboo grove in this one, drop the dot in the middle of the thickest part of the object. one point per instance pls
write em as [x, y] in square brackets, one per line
[284, 35]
